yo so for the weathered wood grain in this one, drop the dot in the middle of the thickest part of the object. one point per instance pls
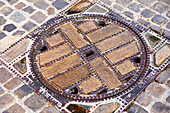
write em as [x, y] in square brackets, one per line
[87, 26]
[54, 39]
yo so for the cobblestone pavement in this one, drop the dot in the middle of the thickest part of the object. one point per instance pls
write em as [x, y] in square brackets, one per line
[19, 17]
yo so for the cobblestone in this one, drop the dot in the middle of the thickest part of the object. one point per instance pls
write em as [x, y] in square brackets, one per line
[3, 20]
[160, 7]
[165, 1]
[159, 107]
[29, 9]
[118, 7]
[6, 100]
[168, 83]
[163, 77]
[108, 2]
[97, 9]
[37, 16]
[1, 91]
[159, 19]
[168, 14]
[16, 108]
[13, 83]
[59, 4]
[41, 4]
[18, 33]
[49, 109]
[28, 26]
[167, 33]
[144, 99]
[5, 75]
[6, 11]
[2, 35]
[168, 99]
[9, 27]
[12, 1]
[124, 2]
[20, 5]
[2, 3]
[147, 13]
[147, 2]
[155, 89]
[23, 91]
[136, 7]
[129, 14]
[146, 23]
[168, 26]
[17, 17]
[35, 102]
[136, 109]
[50, 11]
[157, 29]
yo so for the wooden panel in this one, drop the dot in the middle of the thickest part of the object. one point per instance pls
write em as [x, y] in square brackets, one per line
[87, 26]
[103, 32]
[54, 39]
[60, 66]
[54, 54]
[73, 35]
[90, 85]
[125, 67]
[16, 50]
[124, 52]
[115, 41]
[162, 54]
[106, 74]
[71, 77]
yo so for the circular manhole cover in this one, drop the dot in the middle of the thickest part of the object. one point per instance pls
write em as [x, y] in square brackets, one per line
[89, 57]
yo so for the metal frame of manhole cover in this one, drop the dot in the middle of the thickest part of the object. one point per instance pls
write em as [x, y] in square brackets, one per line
[85, 58]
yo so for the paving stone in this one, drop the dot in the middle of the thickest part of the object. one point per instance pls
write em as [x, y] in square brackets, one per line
[1, 3]
[17, 17]
[157, 29]
[32, 1]
[3, 20]
[136, 7]
[29, 25]
[168, 99]
[21, 66]
[6, 100]
[118, 7]
[16, 108]
[35, 102]
[165, 1]
[159, 19]
[59, 4]
[1, 90]
[13, 83]
[147, 2]
[12, 1]
[167, 34]
[37, 16]
[125, 3]
[23, 91]
[108, 2]
[168, 83]
[5, 75]
[136, 109]
[97, 9]
[146, 23]
[168, 26]
[147, 13]
[144, 99]
[2, 35]
[29, 9]
[163, 77]
[155, 89]
[18, 33]
[159, 107]
[160, 7]
[168, 14]
[6, 11]
[20, 5]
[50, 11]
[153, 41]
[9, 27]
[50, 109]
[129, 14]
[41, 4]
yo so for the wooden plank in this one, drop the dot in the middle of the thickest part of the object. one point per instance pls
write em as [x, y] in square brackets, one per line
[162, 54]
[15, 51]
[60, 66]
[54, 54]
[54, 39]
[87, 26]
[105, 73]
[103, 32]
[123, 53]
[125, 67]
[71, 77]
[90, 85]
[114, 41]
[73, 35]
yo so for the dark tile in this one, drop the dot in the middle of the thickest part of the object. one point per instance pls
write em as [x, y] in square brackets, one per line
[136, 109]
[129, 14]
[59, 4]
[29, 9]
[18, 33]
[136, 7]
[159, 107]
[28, 26]
[160, 7]
[146, 23]
[9, 27]
[147, 13]
[12, 1]
[2, 35]
[159, 19]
